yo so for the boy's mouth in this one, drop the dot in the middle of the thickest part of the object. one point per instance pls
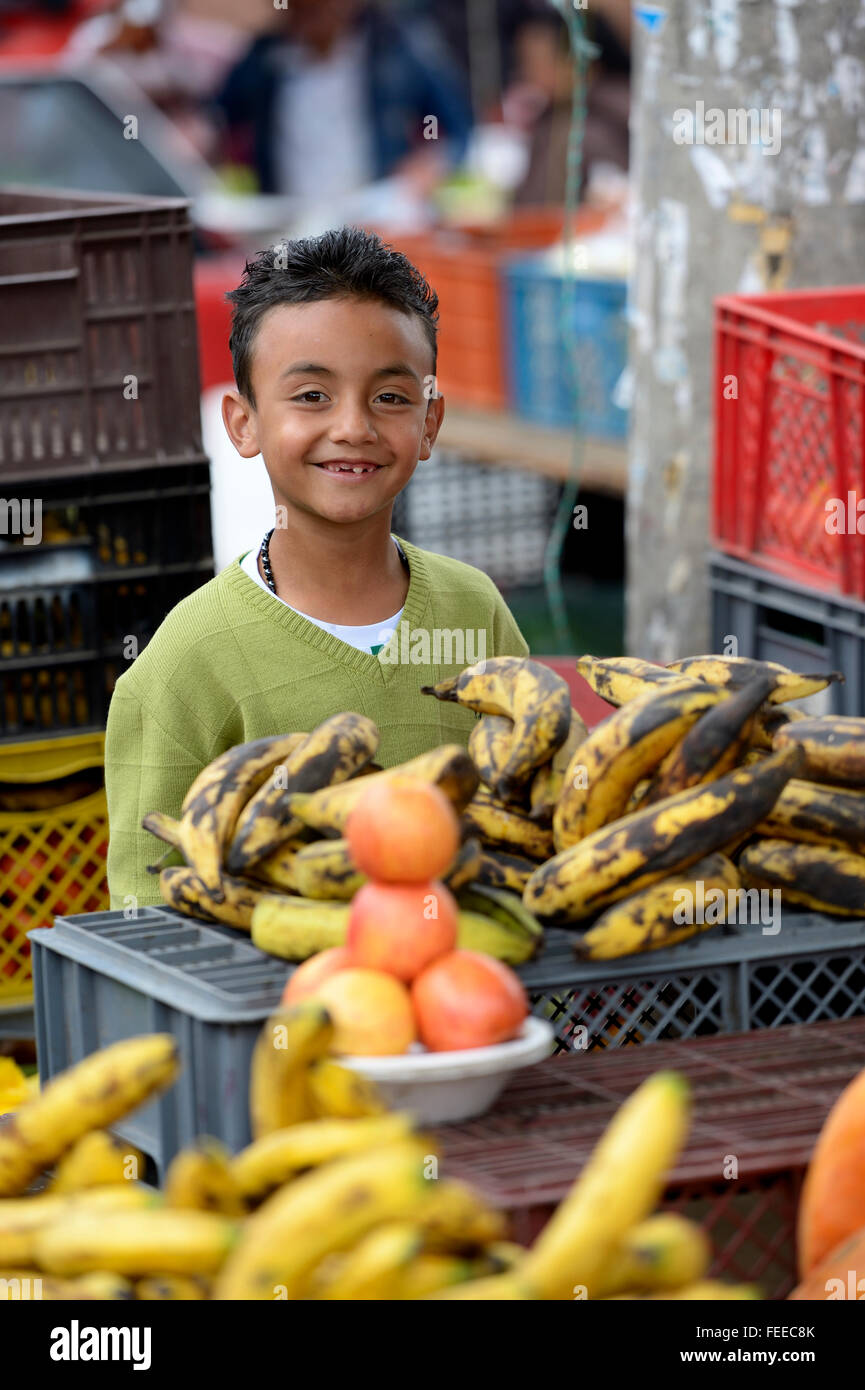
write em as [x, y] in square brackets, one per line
[348, 468]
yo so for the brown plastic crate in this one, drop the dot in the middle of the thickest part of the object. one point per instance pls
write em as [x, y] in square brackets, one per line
[96, 289]
[760, 1097]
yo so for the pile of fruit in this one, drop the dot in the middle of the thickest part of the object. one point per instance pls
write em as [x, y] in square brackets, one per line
[701, 783]
[346, 1204]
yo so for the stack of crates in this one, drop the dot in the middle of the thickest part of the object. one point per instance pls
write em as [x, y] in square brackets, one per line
[104, 517]
[787, 574]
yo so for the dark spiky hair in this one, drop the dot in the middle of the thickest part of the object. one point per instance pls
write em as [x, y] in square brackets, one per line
[341, 263]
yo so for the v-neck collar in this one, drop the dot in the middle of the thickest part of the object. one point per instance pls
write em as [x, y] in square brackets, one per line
[275, 610]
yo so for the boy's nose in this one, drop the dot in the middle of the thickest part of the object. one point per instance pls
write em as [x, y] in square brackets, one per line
[352, 424]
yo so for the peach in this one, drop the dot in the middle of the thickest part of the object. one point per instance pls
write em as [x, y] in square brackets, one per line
[466, 999]
[403, 830]
[401, 927]
[371, 1011]
[314, 971]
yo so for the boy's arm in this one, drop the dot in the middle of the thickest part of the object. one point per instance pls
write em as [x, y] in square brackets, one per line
[146, 769]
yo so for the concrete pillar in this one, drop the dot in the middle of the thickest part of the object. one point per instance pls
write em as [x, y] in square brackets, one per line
[715, 219]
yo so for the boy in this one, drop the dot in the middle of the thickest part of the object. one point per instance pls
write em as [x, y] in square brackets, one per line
[334, 351]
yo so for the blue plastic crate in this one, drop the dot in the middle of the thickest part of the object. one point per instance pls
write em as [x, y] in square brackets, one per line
[539, 369]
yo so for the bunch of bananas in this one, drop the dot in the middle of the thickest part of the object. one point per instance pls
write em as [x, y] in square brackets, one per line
[262, 834]
[700, 780]
[334, 1198]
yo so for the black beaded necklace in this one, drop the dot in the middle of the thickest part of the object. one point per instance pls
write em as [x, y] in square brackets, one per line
[268, 571]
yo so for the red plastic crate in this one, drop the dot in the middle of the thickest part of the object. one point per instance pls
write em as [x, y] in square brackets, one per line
[794, 436]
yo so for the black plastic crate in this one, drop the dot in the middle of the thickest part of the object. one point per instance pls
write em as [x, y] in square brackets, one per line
[97, 291]
[774, 619]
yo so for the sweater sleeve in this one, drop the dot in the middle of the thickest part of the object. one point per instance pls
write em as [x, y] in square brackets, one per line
[146, 769]
[507, 638]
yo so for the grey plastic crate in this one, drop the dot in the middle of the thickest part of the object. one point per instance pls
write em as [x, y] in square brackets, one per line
[101, 977]
[728, 980]
[775, 619]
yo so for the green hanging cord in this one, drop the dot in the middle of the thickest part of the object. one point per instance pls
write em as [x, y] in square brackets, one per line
[583, 51]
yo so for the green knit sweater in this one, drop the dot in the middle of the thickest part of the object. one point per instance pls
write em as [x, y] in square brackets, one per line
[231, 663]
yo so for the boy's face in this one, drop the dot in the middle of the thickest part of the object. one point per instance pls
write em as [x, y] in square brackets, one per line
[339, 385]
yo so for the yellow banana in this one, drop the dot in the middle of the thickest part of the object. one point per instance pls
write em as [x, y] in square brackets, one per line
[325, 869]
[161, 1241]
[217, 796]
[22, 1219]
[269, 1162]
[619, 1186]
[495, 1288]
[201, 1178]
[175, 1288]
[834, 748]
[666, 1251]
[338, 1092]
[428, 1272]
[828, 880]
[621, 750]
[663, 914]
[328, 1209]
[181, 888]
[618, 679]
[527, 692]
[95, 1160]
[645, 847]
[712, 746]
[816, 814]
[478, 932]
[548, 781]
[735, 671]
[501, 826]
[448, 766]
[455, 1217]
[332, 753]
[92, 1094]
[372, 1268]
[295, 928]
[289, 1040]
[713, 1290]
[27, 1284]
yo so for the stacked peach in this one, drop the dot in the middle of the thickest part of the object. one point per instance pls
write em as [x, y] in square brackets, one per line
[400, 978]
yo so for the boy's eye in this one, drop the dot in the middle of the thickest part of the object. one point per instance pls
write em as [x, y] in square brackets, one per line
[393, 398]
[305, 396]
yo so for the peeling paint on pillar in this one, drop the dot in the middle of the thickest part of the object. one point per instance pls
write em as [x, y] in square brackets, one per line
[714, 219]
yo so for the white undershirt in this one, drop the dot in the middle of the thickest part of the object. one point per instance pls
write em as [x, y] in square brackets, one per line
[322, 120]
[366, 637]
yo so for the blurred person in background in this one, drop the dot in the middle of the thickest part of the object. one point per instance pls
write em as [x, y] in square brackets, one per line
[539, 99]
[338, 97]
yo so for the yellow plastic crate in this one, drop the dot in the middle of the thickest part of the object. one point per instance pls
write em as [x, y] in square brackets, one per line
[52, 861]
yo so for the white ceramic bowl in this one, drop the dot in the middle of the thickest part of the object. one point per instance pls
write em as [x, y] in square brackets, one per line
[439, 1087]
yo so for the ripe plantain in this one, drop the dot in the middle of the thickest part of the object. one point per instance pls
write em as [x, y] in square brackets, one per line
[735, 671]
[767, 722]
[278, 1157]
[618, 679]
[501, 869]
[547, 783]
[329, 1209]
[340, 1093]
[619, 1186]
[217, 796]
[828, 880]
[326, 870]
[465, 865]
[489, 745]
[200, 1178]
[642, 848]
[653, 918]
[95, 1160]
[335, 751]
[165, 828]
[90, 1095]
[817, 814]
[295, 928]
[503, 827]
[712, 746]
[834, 748]
[448, 766]
[527, 692]
[621, 750]
[276, 870]
[158, 1241]
[181, 888]
[289, 1040]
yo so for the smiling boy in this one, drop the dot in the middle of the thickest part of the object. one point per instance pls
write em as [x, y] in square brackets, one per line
[334, 350]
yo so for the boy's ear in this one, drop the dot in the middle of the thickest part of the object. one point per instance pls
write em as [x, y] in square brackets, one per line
[432, 424]
[240, 424]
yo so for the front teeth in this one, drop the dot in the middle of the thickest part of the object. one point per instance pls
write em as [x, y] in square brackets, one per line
[358, 470]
